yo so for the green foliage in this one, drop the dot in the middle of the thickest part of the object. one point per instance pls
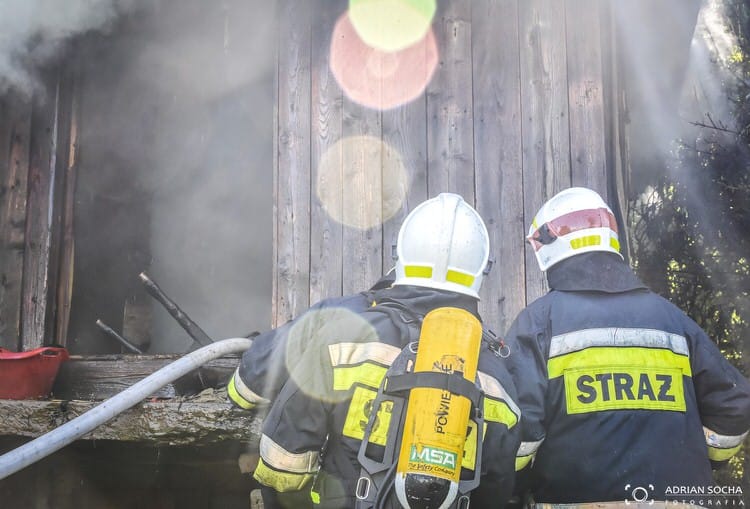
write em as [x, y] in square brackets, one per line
[690, 230]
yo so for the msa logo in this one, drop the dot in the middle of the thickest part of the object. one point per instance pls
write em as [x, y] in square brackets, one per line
[433, 456]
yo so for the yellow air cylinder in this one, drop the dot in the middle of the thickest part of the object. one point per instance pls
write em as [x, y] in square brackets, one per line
[429, 463]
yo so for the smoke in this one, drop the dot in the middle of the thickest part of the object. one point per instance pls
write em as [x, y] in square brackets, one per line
[654, 41]
[704, 91]
[32, 32]
[212, 210]
[673, 54]
[175, 173]
[679, 89]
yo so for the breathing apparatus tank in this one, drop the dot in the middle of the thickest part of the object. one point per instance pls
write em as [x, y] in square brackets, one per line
[436, 423]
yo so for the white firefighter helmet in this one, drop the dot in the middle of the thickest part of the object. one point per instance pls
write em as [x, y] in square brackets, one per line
[572, 222]
[443, 244]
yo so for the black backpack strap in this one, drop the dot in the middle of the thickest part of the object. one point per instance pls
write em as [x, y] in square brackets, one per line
[378, 466]
[452, 382]
[408, 322]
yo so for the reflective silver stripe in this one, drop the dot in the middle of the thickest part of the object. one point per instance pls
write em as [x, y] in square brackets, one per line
[343, 354]
[244, 391]
[613, 336]
[281, 459]
[713, 439]
[527, 448]
[494, 389]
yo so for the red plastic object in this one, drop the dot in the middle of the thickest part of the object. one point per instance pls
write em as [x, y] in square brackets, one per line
[29, 375]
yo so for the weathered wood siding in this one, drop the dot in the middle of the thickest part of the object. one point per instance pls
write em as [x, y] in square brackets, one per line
[35, 140]
[15, 127]
[517, 109]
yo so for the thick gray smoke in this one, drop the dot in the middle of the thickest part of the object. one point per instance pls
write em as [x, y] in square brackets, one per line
[177, 128]
[678, 84]
[212, 209]
[174, 163]
[704, 98]
[34, 31]
[672, 53]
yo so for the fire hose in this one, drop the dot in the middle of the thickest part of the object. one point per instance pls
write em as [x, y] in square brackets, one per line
[58, 438]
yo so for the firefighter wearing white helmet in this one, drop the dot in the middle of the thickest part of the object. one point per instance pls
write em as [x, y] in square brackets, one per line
[574, 221]
[618, 374]
[331, 399]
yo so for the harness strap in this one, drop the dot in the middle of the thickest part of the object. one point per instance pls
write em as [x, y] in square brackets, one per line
[454, 383]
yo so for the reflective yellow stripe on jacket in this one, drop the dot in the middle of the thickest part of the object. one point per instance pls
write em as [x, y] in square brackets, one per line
[241, 395]
[498, 405]
[363, 363]
[283, 470]
[361, 367]
[616, 369]
[498, 408]
[526, 453]
[722, 447]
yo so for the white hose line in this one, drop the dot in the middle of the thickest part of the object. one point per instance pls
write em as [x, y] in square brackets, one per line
[58, 438]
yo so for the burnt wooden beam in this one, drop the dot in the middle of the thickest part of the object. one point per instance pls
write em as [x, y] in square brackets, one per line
[109, 331]
[206, 419]
[187, 324]
[100, 377]
[15, 127]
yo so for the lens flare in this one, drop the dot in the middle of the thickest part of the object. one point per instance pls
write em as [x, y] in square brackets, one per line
[307, 347]
[391, 25]
[361, 181]
[379, 79]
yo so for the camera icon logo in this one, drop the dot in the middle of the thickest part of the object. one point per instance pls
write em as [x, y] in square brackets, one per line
[639, 494]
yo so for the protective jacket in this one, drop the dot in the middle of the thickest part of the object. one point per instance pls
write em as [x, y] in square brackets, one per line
[265, 366]
[619, 389]
[327, 401]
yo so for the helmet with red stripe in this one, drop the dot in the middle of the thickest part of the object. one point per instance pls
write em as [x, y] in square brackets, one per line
[573, 221]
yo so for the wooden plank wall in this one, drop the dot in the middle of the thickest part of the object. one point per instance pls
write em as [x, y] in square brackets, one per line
[35, 138]
[292, 180]
[498, 155]
[545, 130]
[517, 109]
[326, 125]
[15, 132]
[39, 218]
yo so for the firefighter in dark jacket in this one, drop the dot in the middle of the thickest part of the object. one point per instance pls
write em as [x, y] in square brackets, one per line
[623, 396]
[312, 434]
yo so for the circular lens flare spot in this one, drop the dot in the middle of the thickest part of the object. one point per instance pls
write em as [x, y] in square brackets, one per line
[308, 346]
[391, 25]
[361, 182]
[379, 79]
